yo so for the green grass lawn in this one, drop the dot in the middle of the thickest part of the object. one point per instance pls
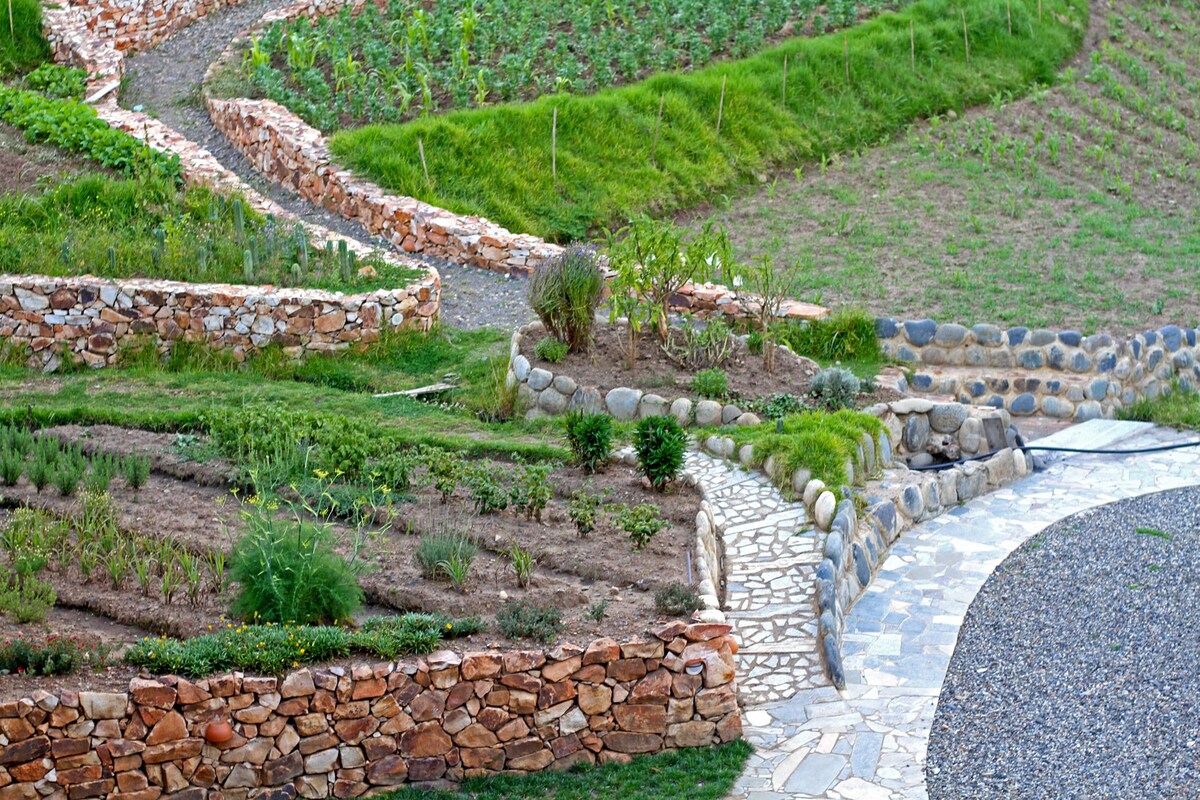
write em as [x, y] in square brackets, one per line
[496, 161]
[1178, 410]
[1065, 209]
[694, 774]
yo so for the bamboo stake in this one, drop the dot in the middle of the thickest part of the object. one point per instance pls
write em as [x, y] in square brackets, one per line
[12, 32]
[966, 40]
[1039, 10]
[554, 146]
[912, 46]
[721, 104]
[846, 51]
[424, 166]
[785, 79]
[657, 125]
[1008, 9]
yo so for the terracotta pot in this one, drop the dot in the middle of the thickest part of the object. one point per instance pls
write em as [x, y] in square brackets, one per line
[218, 732]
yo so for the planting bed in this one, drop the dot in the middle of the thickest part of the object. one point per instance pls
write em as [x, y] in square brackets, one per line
[190, 503]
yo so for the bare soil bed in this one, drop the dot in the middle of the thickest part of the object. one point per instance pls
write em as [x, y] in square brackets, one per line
[199, 512]
[605, 365]
[24, 164]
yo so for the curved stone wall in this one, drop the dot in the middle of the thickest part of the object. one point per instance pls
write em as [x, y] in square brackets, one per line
[1061, 374]
[348, 732]
[89, 318]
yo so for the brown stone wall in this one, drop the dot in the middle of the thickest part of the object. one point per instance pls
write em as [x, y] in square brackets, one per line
[89, 317]
[347, 732]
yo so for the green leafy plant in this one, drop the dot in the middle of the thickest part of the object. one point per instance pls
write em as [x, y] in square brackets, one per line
[135, 469]
[778, 405]
[597, 611]
[68, 471]
[660, 445]
[54, 80]
[532, 491]
[640, 523]
[711, 383]
[834, 388]
[677, 600]
[51, 655]
[12, 464]
[551, 349]
[489, 492]
[519, 619]
[565, 292]
[523, 564]
[288, 571]
[845, 335]
[700, 346]
[590, 439]
[584, 511]
[438, 549]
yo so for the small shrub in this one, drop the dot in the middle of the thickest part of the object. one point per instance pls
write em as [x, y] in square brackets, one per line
[711, 383]
[27, 599]
[565, 292]
[523, 564]
[660, 443]
[518, 619]
[100, 476]
[489, 493]
[596, 611]
[12, 464]
[445, 469]
[55, 655]
[40, 469]
[532, 492]
[135, 469]
[551, 349]
[677, 600]
[778, 405]
[754, 342]
[584, 511]
[590, 439]
[288, 571]
[69, 470]
[835, 388]
[640, 523]
[438, 549]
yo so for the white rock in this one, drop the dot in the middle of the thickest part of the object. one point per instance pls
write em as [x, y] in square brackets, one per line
[812, 490]
[824, 509]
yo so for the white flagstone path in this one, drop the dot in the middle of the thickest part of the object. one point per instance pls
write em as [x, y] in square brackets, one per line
[869, 741]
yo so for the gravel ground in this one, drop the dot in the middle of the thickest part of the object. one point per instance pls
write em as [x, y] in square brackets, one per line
[165, 81]
[1075, 672]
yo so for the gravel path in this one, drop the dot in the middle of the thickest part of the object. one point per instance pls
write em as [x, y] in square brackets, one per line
[165, 81]
[1075, 672]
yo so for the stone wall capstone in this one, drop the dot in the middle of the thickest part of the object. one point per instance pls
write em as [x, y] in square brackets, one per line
[89, 318]
[348, 732]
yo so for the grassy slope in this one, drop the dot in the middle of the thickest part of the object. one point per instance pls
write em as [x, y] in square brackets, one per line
[148, 396]
[496, 162]
[21, 47]
[1067, 209]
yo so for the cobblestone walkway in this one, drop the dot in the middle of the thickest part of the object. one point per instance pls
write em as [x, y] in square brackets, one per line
[869, 742]
[769, 579]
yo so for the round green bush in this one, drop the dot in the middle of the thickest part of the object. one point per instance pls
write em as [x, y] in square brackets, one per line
[660, 442]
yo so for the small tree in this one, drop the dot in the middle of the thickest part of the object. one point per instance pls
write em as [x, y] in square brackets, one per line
[767, 288]
[665, 261]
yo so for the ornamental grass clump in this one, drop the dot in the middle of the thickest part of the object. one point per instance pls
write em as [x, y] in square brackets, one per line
[565, 292]
[660, 443]
[288, 571]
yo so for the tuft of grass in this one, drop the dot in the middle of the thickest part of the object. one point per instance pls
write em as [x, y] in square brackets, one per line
[846, 335]
[611, 166]
[703, 773]
[1179, 409]
[1154, 532]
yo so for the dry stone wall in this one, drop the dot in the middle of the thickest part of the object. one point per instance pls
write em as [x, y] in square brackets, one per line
[348, 732]
[1061, 374]
[88, 318]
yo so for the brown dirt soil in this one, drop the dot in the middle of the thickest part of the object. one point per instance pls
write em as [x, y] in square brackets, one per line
[604, 365]
[571, 574]
[23, 163]
[90, 629]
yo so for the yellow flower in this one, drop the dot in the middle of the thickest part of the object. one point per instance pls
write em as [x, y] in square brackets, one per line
[301, 651]
[152, 655]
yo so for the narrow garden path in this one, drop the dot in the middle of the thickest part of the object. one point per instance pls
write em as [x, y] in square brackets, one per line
[165, 81]
[869, 742]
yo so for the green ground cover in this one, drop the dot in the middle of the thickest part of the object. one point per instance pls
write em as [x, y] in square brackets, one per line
[412, 59]
[1179, 409]
[1067, 209]
[693, 773]
[611, 165]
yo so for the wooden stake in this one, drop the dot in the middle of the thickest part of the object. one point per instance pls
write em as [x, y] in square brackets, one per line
[424, 166]
[785, 79]
[1039, 10]
[1008, 9]
[721, 104]
[912, 46]
[12, 32]
[662, 98]
[846, 51]
[966, 41]
[554, 146]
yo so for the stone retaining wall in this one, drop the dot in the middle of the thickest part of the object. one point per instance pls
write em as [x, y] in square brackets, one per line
[1060, 374]
[926, 432]
[88, 318]
[855, 545]
[350, 732]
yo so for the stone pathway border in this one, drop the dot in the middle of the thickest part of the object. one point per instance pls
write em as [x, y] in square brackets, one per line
[869, 741]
